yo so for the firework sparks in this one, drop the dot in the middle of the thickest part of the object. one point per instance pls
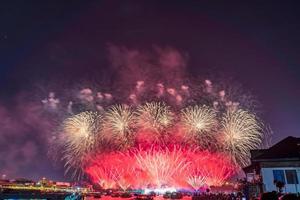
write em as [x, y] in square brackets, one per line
[112, 170]
[241, 133]
[162, 164]
[196, 180]
[210, 169]
[154, 116]
[102, 175]
[119, 122]
[198, 120]
[153, 136]
[80, 134]
[217, 172]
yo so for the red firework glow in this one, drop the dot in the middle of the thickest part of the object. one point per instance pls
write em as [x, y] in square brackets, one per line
[159, 133]
[154, 142]
[160, 167]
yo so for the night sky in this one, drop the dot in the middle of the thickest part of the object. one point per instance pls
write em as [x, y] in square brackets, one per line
[43, 42]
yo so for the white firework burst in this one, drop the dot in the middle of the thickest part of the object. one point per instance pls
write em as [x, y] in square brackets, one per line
[154, 116]
[198, 121]
[241, 132]
[79, 136]
[119, 123]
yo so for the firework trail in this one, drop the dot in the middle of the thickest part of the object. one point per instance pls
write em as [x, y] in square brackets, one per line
[117, 170]
[195, 175]
[161, 164]
[218, 168]
[160, 167]
[112, 170]
[211, 169]
[104, 176]
[241, 132]
[217, 174]
[196, 180]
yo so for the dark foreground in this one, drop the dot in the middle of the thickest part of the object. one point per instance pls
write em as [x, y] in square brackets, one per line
[68, 196]
[94, 196]
[48, 196]
[37, 194]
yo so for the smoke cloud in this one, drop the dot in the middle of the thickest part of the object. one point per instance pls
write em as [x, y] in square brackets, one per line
[24, 135]
[155, 65]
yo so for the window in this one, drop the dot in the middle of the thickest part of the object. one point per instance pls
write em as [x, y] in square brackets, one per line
[279, 175]
[291, 177]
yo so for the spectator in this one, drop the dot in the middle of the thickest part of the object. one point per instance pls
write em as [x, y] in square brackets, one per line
[269, 196]
[289, 197]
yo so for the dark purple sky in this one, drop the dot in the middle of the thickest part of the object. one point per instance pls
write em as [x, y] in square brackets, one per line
[256, 44]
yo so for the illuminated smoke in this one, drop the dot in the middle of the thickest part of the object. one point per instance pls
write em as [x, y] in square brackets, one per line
[139, 85]
[171, 91]
[133, 98]
[161, 89]
[51, 102]
[108, 97]
[100, 97]
[86, 95]
[209, 86]
[222, 95]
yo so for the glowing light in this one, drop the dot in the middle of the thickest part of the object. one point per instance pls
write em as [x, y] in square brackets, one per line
[161, 168]
[161, 164]
[196, 181]
[198, 121]
[119, 123]
[160, 190]
[154, 116]
[159, 144]
[112, 170]
[241, 133]
[210, 170]
[80, 134]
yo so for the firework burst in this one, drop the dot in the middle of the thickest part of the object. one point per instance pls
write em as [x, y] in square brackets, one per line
[241, 132]
[119, 124]
[154, 116]
[198, 122]
[79, 137]
[146, 144]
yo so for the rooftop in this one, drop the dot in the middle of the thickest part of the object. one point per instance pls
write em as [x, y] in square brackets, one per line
[286, 149]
